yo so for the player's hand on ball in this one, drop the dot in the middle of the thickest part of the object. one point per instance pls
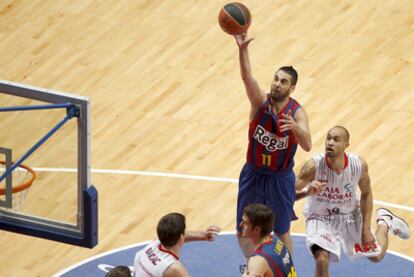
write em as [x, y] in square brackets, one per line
[242, 40]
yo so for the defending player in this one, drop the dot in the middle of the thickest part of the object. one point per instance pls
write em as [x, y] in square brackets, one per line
[336, 217]
[160, 258]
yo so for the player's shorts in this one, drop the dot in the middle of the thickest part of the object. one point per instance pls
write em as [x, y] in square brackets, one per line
[333, 232]
[273, 189]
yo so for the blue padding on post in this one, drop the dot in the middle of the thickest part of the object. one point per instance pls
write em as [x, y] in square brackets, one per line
[91, 216]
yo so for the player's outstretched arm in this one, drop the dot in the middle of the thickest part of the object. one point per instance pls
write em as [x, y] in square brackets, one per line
[305, 181]
[209, 234]
[254, 93]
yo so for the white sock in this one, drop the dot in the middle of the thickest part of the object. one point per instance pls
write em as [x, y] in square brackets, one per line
[383, 222]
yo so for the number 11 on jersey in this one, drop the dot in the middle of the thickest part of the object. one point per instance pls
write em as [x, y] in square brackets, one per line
[266, 159]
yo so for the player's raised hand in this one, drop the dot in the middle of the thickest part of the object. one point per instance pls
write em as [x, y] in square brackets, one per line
[368, 238]
[212, 232]
[287, 122]
[242, 40]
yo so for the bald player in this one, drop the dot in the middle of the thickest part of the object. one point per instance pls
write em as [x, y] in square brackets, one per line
[337, 216]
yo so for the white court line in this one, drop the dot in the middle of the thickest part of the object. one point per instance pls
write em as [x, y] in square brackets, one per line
[187, 176]
[65, 270]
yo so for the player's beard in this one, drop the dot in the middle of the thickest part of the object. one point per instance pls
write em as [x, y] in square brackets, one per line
[278, 96]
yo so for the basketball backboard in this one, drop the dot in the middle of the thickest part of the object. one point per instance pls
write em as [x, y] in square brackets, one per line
[48, 131]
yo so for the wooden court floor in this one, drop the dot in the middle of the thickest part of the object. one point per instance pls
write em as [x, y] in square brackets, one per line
[167, 97]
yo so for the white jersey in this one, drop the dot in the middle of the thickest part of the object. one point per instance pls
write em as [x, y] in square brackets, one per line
[339, 196]
[153, 260]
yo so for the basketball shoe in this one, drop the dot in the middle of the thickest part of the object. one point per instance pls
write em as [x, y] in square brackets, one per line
[395, 224]
[242, 268]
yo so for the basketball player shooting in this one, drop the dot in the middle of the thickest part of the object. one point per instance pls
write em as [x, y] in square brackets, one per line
[277, 124]
[336, 216]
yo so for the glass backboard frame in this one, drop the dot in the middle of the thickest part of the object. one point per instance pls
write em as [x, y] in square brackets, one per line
[7, 202]
[85, 231]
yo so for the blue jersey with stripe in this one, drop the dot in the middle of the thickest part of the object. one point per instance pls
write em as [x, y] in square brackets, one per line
[277, 257]
[269, 148]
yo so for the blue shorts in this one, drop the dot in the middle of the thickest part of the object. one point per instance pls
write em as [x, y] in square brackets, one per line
[273, 189]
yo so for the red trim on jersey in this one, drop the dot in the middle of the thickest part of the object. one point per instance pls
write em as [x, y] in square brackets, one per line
[263, 244]
[282, 110]
[168, 252]
[269, 259]
[345, 162]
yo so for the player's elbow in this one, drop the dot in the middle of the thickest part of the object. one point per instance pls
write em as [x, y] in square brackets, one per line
[307, 147]
[308, 144]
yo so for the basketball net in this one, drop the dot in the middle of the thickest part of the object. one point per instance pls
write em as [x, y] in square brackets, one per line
[22, 179]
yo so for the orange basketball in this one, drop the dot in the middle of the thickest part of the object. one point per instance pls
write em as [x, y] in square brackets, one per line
[234, 18]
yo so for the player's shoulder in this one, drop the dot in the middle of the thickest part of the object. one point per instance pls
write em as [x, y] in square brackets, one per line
[355, 157]
[176, 269]
[258, 264]
[151, 244]
[317, 157]
[359, 161]
[294, 101]
[352, 155]
[296, 106]
[262, 101]
[363, 162]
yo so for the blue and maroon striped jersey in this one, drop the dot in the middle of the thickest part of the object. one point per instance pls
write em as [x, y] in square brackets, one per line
[277, 257]
[269, 148]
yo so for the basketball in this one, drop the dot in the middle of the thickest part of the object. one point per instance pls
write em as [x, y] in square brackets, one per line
[234, 18]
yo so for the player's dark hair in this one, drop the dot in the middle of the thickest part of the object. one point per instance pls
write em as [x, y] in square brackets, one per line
[119, 271]
[170, 228]
[292, 73]
[260, 216]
